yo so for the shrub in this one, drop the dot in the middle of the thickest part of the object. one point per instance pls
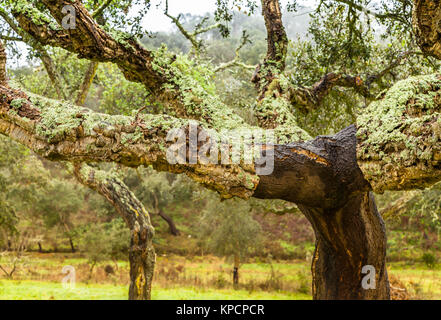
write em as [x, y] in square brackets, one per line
[429, 260]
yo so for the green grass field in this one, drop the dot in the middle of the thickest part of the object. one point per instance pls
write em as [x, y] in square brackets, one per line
[180, 278]
[37, 290]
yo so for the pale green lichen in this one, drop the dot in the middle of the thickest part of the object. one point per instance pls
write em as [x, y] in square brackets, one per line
[17, 103]
[398, 134]
[275, 113]
[132, 137]
[192, 82]
[39, 18]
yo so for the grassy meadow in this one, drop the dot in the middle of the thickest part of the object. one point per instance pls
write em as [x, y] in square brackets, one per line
[38, 277]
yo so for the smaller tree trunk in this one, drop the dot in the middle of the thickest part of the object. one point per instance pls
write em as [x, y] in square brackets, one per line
[142, 259]
[236, 270]
[40, 248]
[72, 246]
[142, 255]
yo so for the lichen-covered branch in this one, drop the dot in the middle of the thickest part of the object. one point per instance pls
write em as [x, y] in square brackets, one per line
[61, 131]
[310, 98]
[399, 136]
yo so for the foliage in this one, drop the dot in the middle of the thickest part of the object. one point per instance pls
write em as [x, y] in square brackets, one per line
[429, 259]
[230, 228]
[106, 241]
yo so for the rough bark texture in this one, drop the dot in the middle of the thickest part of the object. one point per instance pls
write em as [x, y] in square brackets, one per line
[64, 132]
[276, 35]
[142, 255]
[347, 239]
[426, 17]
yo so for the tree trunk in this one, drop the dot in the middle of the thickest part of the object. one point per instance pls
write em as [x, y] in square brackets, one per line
[323, 178]
[40, 248]
[171, 224]
[236, 270]
[347, 240]
[142, 255]
[72, 246]
[142, 259]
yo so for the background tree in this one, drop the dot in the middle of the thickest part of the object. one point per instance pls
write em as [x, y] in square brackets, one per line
[231, 230]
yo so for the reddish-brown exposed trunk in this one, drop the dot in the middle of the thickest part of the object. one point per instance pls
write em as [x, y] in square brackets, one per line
[349, 239]
[323, 178]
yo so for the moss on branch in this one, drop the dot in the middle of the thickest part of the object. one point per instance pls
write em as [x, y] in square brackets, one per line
[399, 136]
[61, 131]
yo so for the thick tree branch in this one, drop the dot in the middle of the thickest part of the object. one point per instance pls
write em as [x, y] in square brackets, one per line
[63, 132]
[399, 136]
